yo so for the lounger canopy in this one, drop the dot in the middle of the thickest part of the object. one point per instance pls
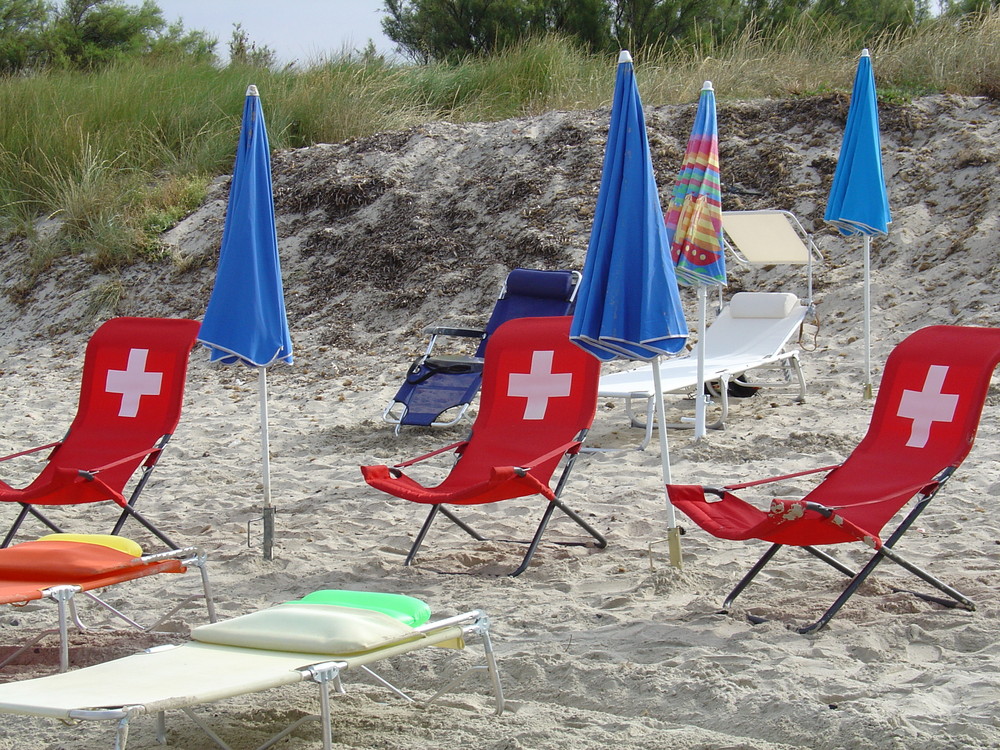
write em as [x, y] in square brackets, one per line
[922, 428]
[770, 237]
[293, 642]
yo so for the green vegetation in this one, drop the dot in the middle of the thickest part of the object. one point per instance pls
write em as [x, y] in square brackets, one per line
[117, 154]
[449, 30]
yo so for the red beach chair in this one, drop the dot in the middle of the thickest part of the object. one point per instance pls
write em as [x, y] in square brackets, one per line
[538, 401]
[922, 428]
[134, 373]
[130, 402]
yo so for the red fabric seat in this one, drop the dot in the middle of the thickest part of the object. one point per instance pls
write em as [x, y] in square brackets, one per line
[539, 397]
[131, 394]
[922, 428]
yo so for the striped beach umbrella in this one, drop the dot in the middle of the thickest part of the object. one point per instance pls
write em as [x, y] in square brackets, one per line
[694, 223]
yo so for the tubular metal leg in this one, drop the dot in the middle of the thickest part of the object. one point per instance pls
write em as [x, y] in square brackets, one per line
[421, 534]
[831, 561]
[745, 581]
[449, 514]
[121, 733]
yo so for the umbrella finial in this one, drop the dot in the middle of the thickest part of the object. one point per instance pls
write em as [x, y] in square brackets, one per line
[707, 86]
[865, 53]
[252, 90]
[624, 57]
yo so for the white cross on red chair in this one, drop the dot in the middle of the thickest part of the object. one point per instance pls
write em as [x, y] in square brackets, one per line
[539, 385]
[927, 406]
[134, 382]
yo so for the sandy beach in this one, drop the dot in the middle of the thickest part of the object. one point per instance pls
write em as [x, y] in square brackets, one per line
[385, 235]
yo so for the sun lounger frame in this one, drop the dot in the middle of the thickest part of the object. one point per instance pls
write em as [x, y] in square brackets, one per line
[64, 595]
[326, 673]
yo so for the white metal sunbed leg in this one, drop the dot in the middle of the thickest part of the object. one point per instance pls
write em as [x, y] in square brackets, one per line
[121, 733]
[797, 368]
[191, 557]
[161, 727]
[650, 407]
[385, 683]
[491, 664]
[324, 674]
[205, 728]
[63, 596]
[324, 700]
[480, 627]
[27, 645]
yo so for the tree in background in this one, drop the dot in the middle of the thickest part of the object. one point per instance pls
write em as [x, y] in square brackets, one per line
[89, 33]
[85, 33]
[586, 21]
[968, 7]
[448, 30]
[244, 51]
[21, 25]
[869, 15]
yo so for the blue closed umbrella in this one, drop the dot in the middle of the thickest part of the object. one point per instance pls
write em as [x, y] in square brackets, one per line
[245, 321]
[628, 306]
[858, 203]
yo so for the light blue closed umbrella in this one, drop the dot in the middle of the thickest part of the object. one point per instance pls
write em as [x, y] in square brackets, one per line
[245, 321]
[858, 202]
[628, 305]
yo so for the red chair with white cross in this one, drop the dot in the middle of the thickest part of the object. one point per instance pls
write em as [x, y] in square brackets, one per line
[923, 425]
[134, 372]
[132, 388]
[538, 400]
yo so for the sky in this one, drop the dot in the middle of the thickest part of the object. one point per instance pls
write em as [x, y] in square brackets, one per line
[297, 30]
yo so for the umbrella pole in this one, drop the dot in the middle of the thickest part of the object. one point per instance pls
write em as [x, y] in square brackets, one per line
[699, 402]
[868, 317]
[265, 455]
[673, 532]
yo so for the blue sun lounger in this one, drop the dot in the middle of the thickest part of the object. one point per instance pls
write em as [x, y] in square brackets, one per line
[438, 388]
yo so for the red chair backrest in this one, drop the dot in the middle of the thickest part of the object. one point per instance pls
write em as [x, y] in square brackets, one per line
[539, 391]
[924, 421]
[131, 394]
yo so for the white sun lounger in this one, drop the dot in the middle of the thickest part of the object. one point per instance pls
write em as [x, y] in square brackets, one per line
[283, 645]
[753, 332]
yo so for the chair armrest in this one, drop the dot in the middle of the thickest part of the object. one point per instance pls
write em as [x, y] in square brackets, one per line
[89, 473]
[454, 446]
[472, 333]
[573, 446]
[769, 480]
[30, 451]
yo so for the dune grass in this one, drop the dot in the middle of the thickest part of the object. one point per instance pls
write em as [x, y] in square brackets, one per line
[119, 155]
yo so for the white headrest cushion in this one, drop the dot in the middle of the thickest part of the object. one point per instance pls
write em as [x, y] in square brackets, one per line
[306, 628]
[762, 304]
